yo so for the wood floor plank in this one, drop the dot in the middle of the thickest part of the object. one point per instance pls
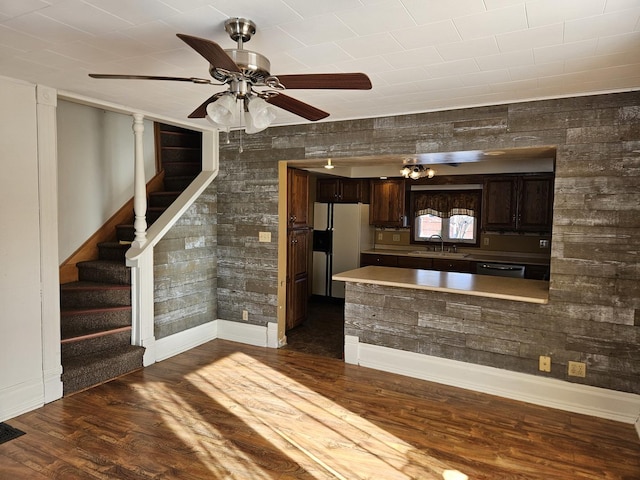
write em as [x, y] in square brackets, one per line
[231, 411]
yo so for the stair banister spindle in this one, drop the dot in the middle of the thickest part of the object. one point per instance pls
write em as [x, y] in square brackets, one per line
[139, 188]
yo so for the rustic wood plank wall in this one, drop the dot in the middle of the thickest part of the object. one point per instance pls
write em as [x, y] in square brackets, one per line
[593, 314]
[185, 270]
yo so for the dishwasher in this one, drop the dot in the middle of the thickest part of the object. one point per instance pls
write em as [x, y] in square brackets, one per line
[500, 269]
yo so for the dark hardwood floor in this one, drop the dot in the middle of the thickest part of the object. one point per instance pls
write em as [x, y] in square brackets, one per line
[230, 411]
[322, 333]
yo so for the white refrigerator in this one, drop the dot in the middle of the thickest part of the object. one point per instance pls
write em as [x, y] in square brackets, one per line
[341, 231]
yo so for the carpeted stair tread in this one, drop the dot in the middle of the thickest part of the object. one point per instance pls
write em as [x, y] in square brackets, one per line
[162, 199]
[110, 271]
[178, 182]
[79, 322]
[94, 294]
[112, 251]
[100, 341]
[125, 232]
[92, 369]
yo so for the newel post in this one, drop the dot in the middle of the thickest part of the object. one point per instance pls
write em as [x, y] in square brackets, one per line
[142, 263]
[139, 187]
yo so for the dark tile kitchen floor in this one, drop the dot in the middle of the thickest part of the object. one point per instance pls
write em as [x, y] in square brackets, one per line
[322, 333]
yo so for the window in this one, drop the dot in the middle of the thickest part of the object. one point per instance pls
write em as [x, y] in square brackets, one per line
[450, 215]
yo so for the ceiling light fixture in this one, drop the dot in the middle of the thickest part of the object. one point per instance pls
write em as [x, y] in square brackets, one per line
[329, 166]
[258, 114]
[417, 171]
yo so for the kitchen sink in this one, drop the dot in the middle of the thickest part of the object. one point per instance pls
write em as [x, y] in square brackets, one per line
[425, 253]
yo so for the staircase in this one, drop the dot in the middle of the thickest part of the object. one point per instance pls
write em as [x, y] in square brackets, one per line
[96, 310]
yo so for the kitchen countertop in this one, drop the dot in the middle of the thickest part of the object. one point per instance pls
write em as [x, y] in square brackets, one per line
[518, 289]
[499, 257]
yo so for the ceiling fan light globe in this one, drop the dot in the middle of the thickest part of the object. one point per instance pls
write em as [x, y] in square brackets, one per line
[223, 111]
[262, 114]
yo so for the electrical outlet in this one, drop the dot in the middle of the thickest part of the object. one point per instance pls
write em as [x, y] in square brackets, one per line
[544, 363]
[486, 241]
[380, 236]
[396, 237]
[577, 369]
[544, 243]
[245, 315]
[264, 237]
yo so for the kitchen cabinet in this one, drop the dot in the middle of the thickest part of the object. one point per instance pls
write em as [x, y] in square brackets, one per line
[537, 272]
[298, 238]
[415, 262]
[298, 198]
[379, 260]
[297, 276]
[387, 202]
[342, 190]
[518, 203]
[452, 265]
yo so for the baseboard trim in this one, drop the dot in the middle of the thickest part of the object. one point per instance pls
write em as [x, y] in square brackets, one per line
[223, 329]
[243, 333]
[52, 384]
[22, 398]
[548, 392]
[180, 342]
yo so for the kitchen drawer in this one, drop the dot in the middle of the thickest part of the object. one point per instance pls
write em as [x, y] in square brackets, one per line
[449, 265]
[415, 262]
[379, 260]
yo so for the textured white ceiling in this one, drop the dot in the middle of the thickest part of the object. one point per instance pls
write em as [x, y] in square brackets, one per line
[421, 55]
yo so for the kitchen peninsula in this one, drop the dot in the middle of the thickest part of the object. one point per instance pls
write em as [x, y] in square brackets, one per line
[518, 289]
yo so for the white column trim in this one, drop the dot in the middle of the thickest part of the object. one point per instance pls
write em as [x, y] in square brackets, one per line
[46, 104]
[139, 184]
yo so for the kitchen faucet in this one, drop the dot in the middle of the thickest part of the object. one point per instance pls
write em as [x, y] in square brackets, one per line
[441, 241]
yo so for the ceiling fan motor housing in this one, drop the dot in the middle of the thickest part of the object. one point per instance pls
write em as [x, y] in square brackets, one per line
[253, 66]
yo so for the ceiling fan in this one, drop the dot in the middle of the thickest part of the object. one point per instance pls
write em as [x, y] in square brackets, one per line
[242, 71]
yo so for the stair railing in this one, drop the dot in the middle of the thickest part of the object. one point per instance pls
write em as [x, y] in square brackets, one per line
[140, 256]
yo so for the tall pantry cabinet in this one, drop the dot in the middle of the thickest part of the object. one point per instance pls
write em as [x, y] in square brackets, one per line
[298, 244]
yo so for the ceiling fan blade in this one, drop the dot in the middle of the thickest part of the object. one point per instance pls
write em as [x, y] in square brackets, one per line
[292, 105]
[211, 51]
[151, 77]
[340, 81]
[201, 111]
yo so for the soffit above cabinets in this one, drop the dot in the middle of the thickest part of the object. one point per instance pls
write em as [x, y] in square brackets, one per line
[514, 160]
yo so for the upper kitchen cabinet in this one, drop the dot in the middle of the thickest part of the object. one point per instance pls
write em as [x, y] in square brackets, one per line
[342, 190]
[297, 198]
[387, 202]
[521, 203]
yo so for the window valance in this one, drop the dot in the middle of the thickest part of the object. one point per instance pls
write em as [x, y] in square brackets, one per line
[446, 204]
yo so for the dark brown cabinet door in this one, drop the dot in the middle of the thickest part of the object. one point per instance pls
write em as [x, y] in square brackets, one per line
[342, 190]
[387, 203]
[518, 203]
[297, 276]
[499, 209]
[298, 198]
[535, 211]
[327, 190]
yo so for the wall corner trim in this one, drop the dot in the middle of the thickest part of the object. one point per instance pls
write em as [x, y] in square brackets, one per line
[548, 392]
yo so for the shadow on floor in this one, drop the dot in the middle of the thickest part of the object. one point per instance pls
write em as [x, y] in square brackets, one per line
[322, 333]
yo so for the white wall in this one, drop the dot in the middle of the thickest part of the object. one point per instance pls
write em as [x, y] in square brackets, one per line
[21, 362]
[95, 169]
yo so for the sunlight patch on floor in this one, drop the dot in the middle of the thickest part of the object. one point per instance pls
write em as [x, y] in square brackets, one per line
[310, 433]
